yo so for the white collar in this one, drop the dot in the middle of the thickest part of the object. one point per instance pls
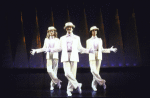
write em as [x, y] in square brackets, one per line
[94, 37]
[71, 34]
[51, 37]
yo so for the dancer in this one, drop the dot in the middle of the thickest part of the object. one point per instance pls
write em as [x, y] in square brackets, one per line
[95, 58]
[51, 41]
[70, 45]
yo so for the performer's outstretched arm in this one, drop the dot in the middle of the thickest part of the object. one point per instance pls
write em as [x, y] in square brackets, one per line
[40, 49]
[104, 50]
[109, 49]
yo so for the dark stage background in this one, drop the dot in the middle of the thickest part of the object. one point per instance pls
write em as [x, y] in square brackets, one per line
[122, 24]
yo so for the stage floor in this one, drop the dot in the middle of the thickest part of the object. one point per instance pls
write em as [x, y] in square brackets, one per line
[127, 84]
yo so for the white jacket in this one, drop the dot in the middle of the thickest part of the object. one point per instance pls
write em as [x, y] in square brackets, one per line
[46, 44]
[89, 45]
[76, 47]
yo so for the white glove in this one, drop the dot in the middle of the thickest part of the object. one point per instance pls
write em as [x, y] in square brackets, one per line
[33, 51]
[113, 49]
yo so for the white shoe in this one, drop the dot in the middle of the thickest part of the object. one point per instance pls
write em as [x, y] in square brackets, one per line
[59, 85]
[93, 85]
[94, 88]
[79, 88]
[51, 88]
[69, 93]
[104, 86]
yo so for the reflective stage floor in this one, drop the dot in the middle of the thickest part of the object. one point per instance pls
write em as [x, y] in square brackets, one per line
[24, 83]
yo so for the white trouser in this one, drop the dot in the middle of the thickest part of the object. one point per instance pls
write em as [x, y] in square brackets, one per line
[52, 67]
[95, 68]
[70, 69]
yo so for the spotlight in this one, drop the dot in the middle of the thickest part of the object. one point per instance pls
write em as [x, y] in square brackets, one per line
[120, 64]
[127, 64]
[134, 64]
[112, 64]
